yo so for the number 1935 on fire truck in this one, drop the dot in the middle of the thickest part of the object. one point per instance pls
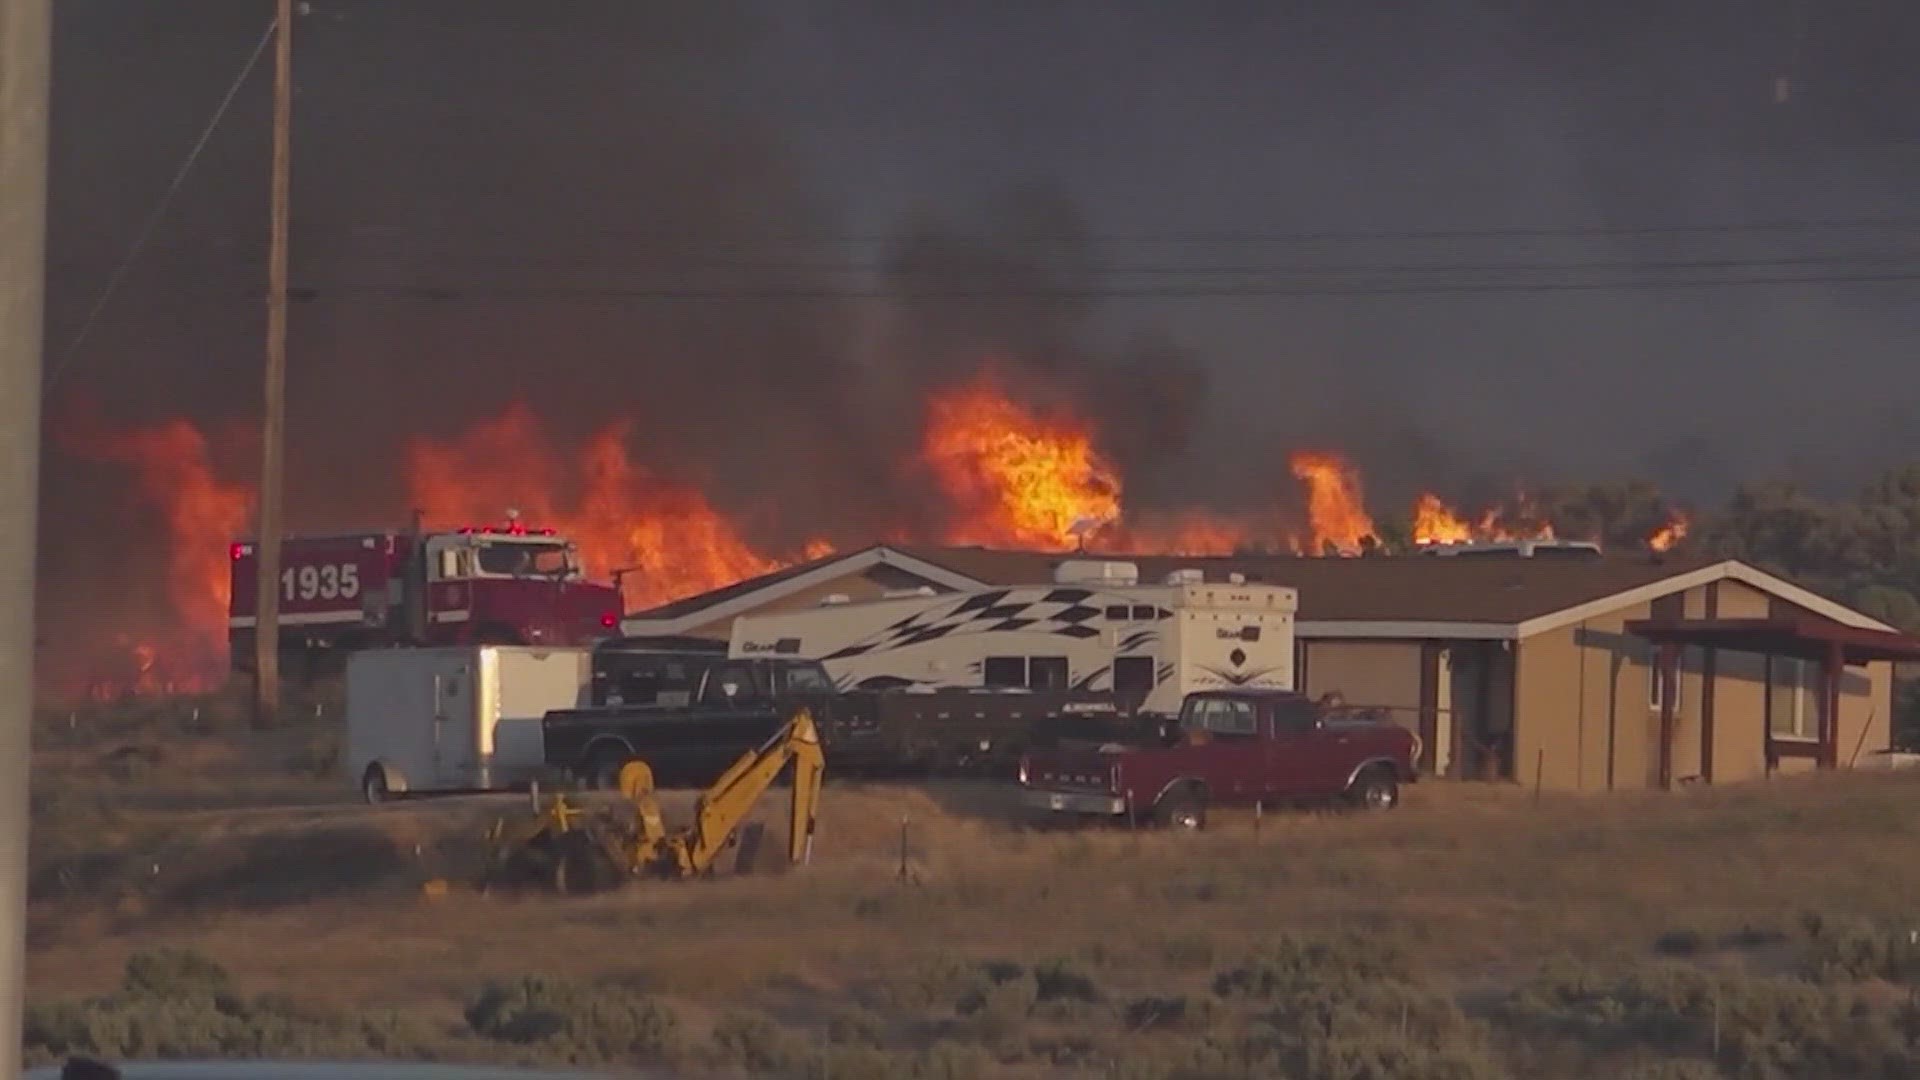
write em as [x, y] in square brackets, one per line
[481, 585]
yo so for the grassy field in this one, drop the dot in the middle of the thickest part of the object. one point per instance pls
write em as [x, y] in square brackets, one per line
[196, 902]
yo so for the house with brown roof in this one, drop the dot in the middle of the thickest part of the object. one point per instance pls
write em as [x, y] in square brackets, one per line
[1587, 674]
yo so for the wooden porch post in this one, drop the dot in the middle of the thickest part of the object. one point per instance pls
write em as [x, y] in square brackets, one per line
[1835, 666]
[1668, 661]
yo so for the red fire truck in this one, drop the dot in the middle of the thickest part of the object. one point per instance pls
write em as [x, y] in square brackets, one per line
[482, 585]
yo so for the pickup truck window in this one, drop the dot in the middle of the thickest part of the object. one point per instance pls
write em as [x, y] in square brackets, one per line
[807, 677]
[1220, 717]
[1295, 716]
[1233, 719]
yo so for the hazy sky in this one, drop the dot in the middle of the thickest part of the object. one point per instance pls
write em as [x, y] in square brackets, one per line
[491, 152]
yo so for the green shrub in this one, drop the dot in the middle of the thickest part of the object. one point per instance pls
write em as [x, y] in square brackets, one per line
[1759, 1027]
[604, 1023]
[175, 973]
[754, 1043]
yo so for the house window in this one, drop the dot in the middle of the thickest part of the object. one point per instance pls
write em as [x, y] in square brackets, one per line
[1794, 701]
[1132, 673]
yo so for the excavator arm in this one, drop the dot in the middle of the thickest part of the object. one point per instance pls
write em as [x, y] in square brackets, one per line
[725, 806]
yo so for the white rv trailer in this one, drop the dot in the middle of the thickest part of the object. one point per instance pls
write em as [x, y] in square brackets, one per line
[1094, 628]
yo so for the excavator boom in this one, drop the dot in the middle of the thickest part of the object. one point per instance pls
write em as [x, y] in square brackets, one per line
[724, 806]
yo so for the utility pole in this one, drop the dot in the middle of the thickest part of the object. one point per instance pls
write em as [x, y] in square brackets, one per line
[25, 26]
[266, 630]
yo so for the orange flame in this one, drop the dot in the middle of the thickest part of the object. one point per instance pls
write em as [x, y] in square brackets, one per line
[203, 514]
[1435, 523]
[1666, 536]
[1337, 519]
[623, 518]
[1016, 478]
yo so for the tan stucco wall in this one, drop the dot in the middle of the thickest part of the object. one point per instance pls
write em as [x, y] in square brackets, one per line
[1866, 712]
[1576, 686]
[1381, 673]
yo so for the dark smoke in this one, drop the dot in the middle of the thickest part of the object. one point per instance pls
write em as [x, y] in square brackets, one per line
[491, 199]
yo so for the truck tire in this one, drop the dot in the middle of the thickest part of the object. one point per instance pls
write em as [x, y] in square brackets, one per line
[604, 762]
[1376, 788]
[1183, 808]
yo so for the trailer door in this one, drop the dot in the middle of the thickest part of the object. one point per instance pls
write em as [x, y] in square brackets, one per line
[455, 725]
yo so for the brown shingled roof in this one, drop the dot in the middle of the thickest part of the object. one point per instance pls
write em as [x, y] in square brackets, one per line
[1411, 588]
[1407, 588]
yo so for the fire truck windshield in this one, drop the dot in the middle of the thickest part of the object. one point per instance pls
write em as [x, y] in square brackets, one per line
[522, 559]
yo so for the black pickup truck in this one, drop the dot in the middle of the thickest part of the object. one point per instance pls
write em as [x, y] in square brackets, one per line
[689, 710]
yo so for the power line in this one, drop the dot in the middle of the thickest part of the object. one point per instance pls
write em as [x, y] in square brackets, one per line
[441, 293]
[159, 208]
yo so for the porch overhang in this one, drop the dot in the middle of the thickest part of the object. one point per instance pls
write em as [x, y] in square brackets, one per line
[1805, 637]
[1833, 645]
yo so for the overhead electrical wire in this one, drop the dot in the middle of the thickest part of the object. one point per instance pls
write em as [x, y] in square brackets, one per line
[141, 238]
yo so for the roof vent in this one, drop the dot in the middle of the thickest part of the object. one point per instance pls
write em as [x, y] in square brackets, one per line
[897, 594]
[1096, 572]
[835, 598]
[1236, 578]
[1186, 575]
[1518, 549]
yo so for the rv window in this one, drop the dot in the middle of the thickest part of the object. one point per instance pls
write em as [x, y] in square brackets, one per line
[1005, 671]
[1047, 672]
[1143, 613]
[1132, 673]
[1117, 613]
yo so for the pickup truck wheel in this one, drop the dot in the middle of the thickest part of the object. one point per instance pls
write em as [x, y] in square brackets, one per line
[1376, 789]
[603, 767]
[1185, 810]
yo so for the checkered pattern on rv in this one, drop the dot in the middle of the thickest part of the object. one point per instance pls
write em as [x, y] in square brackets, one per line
[1063, 611]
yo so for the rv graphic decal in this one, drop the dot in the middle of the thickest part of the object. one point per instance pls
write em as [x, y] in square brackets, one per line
[1238, 678]
[1062, 611]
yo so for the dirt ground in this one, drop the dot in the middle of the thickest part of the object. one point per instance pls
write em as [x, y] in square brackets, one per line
[295, 889]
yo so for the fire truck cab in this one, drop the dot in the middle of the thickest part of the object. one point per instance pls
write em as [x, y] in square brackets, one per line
[480, 585]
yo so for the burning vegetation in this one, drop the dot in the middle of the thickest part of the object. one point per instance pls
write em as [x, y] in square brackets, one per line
[1002, 473]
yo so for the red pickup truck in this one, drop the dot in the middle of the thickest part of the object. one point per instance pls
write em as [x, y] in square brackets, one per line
[1230, 747]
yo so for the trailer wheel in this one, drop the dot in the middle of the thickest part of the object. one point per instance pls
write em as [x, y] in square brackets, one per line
[373, 785]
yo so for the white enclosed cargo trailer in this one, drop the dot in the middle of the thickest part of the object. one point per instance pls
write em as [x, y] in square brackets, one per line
[1094, 628]
[459, 718]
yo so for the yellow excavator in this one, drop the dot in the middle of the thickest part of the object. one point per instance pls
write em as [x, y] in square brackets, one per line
[565, 848]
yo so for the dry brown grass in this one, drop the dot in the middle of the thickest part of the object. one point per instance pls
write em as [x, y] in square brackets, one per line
[1477, 887]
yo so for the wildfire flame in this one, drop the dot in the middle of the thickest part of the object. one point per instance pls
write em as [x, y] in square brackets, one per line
[174, 475]
[1435, 523]
[1337, 518]
[1666, 536]
[1012, 476]
[1016, 479]
[623, 517]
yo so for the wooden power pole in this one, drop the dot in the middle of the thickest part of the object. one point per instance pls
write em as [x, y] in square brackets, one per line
[24, 45]
[266, 631]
